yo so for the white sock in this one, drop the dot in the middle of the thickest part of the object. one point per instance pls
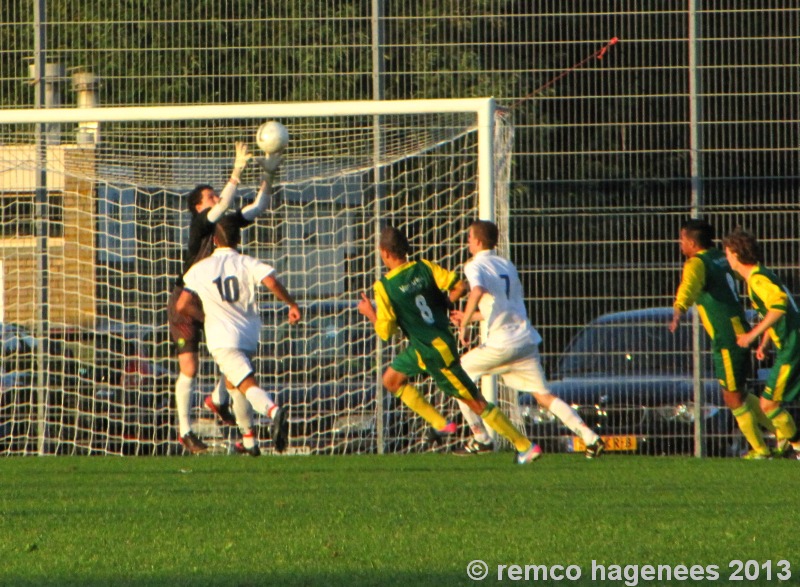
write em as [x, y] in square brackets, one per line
[475, 423]
[572, 420]
[220, 395]
[243, 412]
[249, 440]
[260, 401]
[184, 387]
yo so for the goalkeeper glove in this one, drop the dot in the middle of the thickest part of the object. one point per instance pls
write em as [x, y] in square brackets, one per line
[242, 157]
[271, 162]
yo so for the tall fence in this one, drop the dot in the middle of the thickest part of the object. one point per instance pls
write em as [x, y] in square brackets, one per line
[694, 112]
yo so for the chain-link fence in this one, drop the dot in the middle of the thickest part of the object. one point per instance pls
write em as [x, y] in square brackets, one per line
[694, 112]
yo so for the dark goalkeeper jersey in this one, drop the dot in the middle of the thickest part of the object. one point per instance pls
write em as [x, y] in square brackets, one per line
[201, 240]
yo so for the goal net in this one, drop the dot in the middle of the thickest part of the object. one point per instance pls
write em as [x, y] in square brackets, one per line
[94, 226]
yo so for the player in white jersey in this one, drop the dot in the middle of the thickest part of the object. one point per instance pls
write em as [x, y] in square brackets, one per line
[511, 346]
[226, 284]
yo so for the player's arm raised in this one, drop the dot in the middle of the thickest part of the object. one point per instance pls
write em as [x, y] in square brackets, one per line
[229, 191]
[263, 200]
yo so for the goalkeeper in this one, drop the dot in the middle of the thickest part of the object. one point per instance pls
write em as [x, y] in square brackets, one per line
[206, 208]
[410, 296]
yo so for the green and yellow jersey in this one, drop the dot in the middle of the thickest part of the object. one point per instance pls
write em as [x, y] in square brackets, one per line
[767, 292]
[708, 282]
[411, 297]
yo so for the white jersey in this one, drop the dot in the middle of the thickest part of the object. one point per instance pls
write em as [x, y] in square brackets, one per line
[226, 284]
[502, 306]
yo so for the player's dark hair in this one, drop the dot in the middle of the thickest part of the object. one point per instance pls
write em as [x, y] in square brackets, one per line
[486, 232]
[700, 232]
[394, 242]
[196, 196]
[227, 232]
[744, 245]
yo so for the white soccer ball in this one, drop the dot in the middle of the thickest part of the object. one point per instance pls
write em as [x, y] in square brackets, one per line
[272, 137]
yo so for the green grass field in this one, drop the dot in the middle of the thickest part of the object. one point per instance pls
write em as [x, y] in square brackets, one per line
[392, 520]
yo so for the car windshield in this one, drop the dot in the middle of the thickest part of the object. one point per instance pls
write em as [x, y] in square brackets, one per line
[636, 348]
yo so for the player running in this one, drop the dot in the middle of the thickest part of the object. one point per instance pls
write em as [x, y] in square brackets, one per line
[511, 347]
[410, 296]
[707, 281]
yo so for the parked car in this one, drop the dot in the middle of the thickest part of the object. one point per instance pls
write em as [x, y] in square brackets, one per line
[124, 391]
[19, 363]
[631, 380]
[21, 389]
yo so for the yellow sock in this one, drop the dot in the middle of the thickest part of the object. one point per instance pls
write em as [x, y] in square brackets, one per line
[751, 401]
[749, 427]
[409, 395]
[784, 423]
[497, 421]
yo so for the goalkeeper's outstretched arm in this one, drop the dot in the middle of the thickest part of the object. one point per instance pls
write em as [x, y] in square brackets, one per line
[263, 199]
[229, 191]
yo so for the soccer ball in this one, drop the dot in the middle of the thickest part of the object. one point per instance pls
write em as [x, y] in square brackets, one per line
[272, 136]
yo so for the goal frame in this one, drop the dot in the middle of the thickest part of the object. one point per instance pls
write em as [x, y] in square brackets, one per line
[484, 110]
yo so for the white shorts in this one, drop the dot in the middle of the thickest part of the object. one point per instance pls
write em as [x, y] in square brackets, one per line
[234, 364]
[519, 366]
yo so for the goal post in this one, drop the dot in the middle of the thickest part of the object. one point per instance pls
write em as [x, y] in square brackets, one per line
[115, 227]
